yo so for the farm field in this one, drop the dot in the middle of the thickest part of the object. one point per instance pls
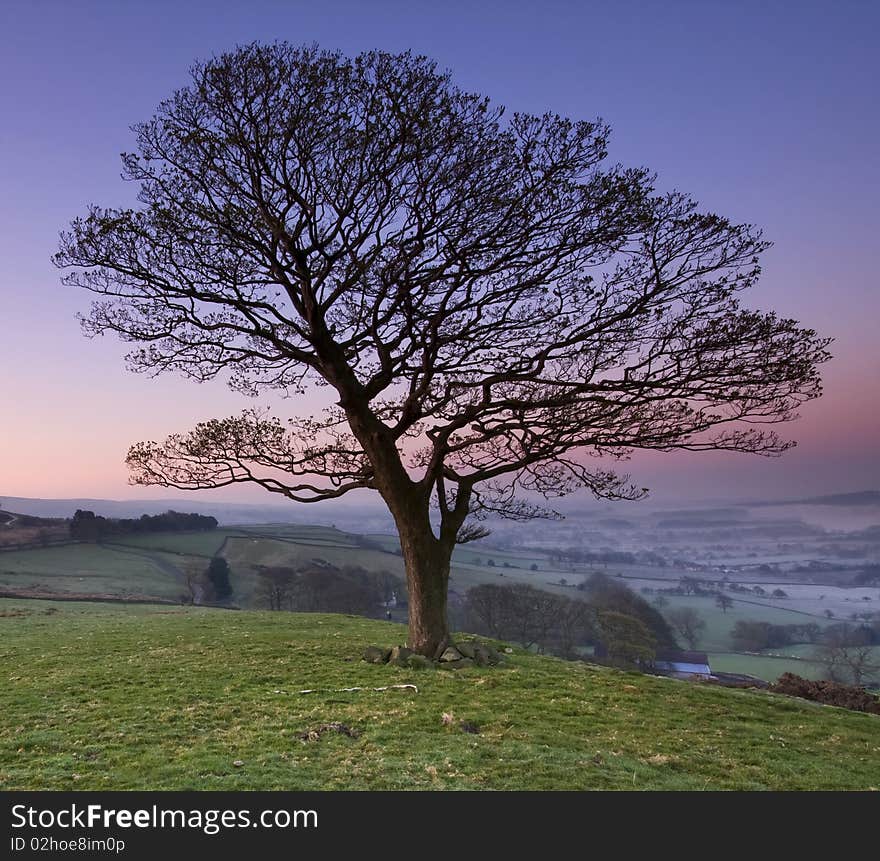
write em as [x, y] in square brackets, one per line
[186, 543]
[764, 666]
[90, 569]
[139, 697]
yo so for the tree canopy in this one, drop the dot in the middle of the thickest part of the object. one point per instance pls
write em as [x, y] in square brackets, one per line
[495, 305]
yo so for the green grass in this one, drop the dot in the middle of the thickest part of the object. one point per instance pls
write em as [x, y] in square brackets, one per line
[189, 543]
[140, 697]
[88, 569]
[774, 662]
[320, 535]
[765, 666]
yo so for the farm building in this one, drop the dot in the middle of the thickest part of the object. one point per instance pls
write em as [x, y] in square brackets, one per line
[683, 664]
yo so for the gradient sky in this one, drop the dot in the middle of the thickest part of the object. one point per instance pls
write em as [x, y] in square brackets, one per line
[766, 112]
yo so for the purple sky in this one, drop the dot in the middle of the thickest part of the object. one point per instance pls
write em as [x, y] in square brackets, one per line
[766, 112]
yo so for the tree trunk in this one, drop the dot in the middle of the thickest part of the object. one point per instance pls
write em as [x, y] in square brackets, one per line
[427, 579]
[425, 556]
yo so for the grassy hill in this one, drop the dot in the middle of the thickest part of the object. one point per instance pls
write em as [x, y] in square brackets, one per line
[149, 697]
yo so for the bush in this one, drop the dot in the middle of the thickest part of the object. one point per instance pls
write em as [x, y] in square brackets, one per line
[828, 693]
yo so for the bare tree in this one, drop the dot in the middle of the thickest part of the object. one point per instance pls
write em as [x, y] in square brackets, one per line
[575, 621]
[723, 602]
[687, 622]
[491, 302]
[847, 653]
[488, 603]
[275, 587]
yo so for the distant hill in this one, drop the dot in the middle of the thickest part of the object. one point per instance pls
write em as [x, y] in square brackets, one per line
[864, 497]
[359, 517]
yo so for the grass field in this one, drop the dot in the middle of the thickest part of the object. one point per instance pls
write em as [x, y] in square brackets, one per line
[188, 543]
[140, 697]
[765, 666]
[89, 569]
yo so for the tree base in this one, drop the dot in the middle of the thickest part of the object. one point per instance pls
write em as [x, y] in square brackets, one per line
[467, 653]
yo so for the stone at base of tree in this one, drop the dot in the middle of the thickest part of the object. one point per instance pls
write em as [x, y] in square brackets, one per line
[484, 657]
[467, 649]
[465, 654]
[460, 664]
[450, 653]
[376, 655]
[399, 656]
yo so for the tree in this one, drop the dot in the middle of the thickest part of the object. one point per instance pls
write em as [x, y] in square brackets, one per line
[490, 301]
[847, 653]
[488, 603]
[723, 602]
[604, 593]
[275, 586]
[575, 621]
[195, 581]
[218, 577]
[751, 636]
[688, 623]
[626, 639]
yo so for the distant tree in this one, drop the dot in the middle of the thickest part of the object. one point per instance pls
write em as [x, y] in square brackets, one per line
[750, 636]
[488, 298]
[195, 583]
[847, 653]
[687, 622]
[85, 526]
[779, 593]
[690, 585]
[218, 576]
[530, 615]
[488, 603]
[575, 623]
[661, 601]
[606, 593]
[349, 590]
[388, 587]
[533, 567]
[723, 602]
[626, 639]
[275, 587]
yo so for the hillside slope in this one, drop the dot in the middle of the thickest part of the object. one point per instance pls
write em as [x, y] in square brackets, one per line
[148, 697]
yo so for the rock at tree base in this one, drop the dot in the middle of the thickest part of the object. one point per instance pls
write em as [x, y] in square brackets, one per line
[450, 653]
[400, 655]
[376, 655]
[419, 662]
[486, 656]
[467, 649]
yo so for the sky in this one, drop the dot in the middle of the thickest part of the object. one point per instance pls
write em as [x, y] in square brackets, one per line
[765, 112]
